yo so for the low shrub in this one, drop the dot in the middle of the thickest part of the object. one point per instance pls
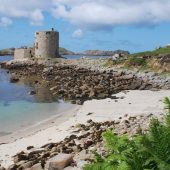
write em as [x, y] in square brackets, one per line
[136, 62]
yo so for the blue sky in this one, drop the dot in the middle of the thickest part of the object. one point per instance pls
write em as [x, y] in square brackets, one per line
[132, 25]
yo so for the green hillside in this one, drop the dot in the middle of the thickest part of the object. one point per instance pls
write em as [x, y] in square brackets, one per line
[162, 50]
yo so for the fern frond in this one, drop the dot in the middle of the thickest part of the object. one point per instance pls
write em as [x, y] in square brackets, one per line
[167, 103]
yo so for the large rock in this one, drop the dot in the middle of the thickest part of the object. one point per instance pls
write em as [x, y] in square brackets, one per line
[59, 162]
[2, 168]
[20, 157]
[13, 167]
[36, 167]
[14, 79]
[27, 165]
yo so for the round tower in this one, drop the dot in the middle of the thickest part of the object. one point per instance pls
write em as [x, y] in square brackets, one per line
[47, 44]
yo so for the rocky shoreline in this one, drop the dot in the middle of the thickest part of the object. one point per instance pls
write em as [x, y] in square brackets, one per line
[78, 84]
[77, 148]
[70, 81]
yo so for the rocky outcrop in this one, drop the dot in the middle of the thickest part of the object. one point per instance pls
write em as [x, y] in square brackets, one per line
[59, 162]
[76, 84]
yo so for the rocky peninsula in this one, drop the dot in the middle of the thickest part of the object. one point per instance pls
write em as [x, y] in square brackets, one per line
[70, 80]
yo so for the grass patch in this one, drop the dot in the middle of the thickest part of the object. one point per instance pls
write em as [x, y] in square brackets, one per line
[133, 61]
[109, 63]
[163, 50]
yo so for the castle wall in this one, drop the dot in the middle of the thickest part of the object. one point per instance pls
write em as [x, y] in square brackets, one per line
[46, 44]
[22, 53]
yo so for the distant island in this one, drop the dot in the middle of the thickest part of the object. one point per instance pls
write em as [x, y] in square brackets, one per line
[105, 53]
[9, 51]
[64, 51]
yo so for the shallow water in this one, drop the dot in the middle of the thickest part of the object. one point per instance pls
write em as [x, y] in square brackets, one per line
[80, 56]
[18, 109]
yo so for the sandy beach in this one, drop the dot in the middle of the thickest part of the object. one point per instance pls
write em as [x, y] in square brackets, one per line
[56, 129]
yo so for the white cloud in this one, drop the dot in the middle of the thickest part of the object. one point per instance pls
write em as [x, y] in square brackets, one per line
[4, 22]
[89, 13]
[37, 17]
[77, 34]
[29, 9]
[102, 13]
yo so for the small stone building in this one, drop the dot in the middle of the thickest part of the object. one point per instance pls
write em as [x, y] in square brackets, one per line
[23, 53]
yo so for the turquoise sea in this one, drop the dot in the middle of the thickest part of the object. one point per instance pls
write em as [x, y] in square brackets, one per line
[18, 109]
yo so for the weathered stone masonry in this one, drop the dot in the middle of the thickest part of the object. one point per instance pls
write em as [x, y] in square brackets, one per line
[46, 44]
[23, 53]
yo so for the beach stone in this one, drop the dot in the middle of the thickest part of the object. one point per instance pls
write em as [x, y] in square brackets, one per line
[32, 92]
[20, 157]
[36, 167]
[53, 88]
[30, 147]
[14, 80]
[88, 143]
[79, 102]
[21, 163]
[59, 162]
[48, 69]
[83, 155]
[13, 167]
[73, 137]
[46, 155]
[27, 165]
[2, 168]
[36, 151]
[89, 121]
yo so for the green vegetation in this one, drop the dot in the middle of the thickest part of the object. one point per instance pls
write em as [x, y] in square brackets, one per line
[64, 51]
[162, 50]
[144, 61]
[109, 63]
[149, 151]
[133, 61]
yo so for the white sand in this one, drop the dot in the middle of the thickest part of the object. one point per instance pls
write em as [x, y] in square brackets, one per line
[134, 103]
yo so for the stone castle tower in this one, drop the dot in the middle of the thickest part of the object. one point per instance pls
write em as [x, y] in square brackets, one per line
[47, 44]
